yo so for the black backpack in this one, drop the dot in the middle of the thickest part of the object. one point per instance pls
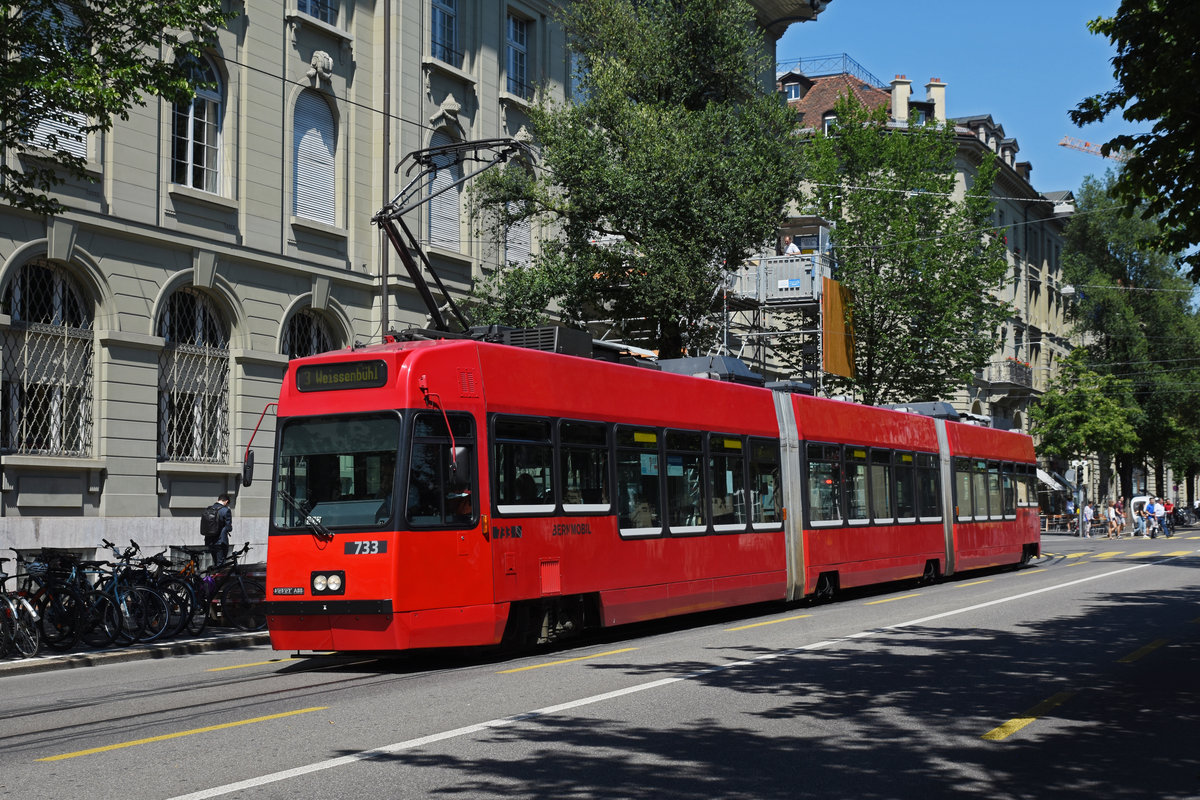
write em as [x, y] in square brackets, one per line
[210, 522]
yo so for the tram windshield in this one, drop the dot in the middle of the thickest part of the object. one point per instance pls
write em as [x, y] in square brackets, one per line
[337, 472]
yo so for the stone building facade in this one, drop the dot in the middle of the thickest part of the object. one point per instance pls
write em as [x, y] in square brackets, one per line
[144, 332]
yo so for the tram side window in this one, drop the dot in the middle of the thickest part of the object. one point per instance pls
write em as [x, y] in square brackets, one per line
[856, 485]
[685, 482]
[1030, 486]
[441, 477]
[638, 481]
[523, 464]
[905, 479]
[929, 487]
[962, 486]
[584, 465]
[979, 476]
[881, 486]
[824, 484]
[994, 489]
[726, 469]
[1008, 488]
[1023, 494]
[765, 490]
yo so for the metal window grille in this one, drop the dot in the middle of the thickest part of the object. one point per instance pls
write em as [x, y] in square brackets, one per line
[306, 334]
[196, 138]
[324, 10]
[193, 382]
[46, 390]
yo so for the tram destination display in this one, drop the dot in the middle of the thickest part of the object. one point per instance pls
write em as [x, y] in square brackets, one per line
[341, 375]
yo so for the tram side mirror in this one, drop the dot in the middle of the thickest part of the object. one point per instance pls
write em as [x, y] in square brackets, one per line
[248, 469]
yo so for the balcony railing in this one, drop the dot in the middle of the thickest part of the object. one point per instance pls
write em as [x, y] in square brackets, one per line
[1010, 373]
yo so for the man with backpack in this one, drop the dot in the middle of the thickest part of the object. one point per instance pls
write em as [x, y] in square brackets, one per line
[216, 523]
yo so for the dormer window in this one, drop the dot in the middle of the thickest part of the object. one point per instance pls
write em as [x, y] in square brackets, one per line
[794, 91]
[828, 122]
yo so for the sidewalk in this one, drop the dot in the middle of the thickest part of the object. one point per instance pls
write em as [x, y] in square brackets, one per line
[49, 660]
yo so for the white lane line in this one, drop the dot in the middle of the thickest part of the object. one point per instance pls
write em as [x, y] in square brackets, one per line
[367, 755]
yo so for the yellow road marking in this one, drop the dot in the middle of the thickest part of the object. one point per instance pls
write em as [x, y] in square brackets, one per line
[567, 661]
[769, 622]
[1076, 555]
[1031, 571]
[975, 583]
[891, 599]
[1193, 538]
[193, 731]
[1144, 651]
[1109, 554]
[1143, 553]
[1181, 553]
[1014, 725]
[255, 664]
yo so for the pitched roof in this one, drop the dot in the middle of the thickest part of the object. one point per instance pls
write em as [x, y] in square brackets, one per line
[825, 92]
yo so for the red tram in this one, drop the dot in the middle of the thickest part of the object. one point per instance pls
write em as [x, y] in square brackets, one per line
[455, 491]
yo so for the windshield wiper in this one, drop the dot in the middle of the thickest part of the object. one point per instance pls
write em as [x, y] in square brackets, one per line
[310, 521]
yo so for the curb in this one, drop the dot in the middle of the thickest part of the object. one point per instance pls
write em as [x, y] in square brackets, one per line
[178, 647]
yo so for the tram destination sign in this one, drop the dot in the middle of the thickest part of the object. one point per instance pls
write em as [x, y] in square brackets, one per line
[341, 375]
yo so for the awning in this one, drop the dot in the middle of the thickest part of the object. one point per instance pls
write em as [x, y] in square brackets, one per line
[1048, 479]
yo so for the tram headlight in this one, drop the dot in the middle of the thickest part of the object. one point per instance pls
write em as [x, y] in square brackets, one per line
[329, 582]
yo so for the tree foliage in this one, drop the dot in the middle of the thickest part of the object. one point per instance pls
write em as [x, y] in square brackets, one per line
[920, 266]
[1133, 310]
[1157, 72]
[1085, 412]
[671, 167]
[82, 65]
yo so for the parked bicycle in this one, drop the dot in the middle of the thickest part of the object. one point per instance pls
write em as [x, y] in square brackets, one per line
[237, 597]
[19, 630]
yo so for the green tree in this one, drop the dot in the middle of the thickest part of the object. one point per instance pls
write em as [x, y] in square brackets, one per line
[1157, 72]
[921, 270]
[672, 166]
[1132, 309]
[1085, 412]
[79, 66]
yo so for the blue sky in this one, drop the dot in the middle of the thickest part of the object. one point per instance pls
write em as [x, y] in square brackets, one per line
[1025, 62]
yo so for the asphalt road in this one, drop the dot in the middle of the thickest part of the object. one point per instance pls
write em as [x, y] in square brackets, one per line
[1072, 678]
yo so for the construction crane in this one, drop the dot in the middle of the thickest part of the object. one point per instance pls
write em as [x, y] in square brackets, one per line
[1094, 149]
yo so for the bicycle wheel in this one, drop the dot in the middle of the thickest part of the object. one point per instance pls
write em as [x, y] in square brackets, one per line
[242, 604]
[99, 620]
[59, 608]
[198, 619]
[180, 601]
[151, 612]
[26, 636]
[8, 619]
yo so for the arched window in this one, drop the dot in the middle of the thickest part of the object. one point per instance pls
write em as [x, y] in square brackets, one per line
[196, 138]
[193, 380]
[444, 208]
[314, 194]
[307, 334]
[47, 364]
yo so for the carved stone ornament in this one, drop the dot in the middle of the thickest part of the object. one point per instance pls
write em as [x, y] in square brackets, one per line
[447, 115]
[321, 68]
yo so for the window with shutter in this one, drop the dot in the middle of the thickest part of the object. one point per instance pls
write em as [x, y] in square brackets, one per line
[314, 165]
[444, 207]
